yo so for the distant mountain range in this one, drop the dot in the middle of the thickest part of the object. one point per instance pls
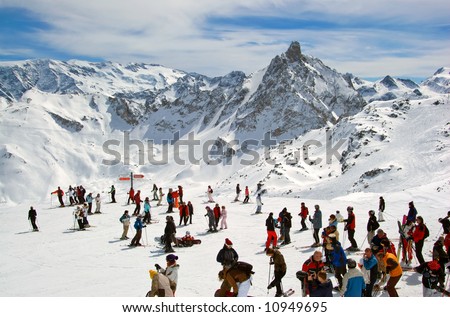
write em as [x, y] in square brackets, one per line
[55, 116]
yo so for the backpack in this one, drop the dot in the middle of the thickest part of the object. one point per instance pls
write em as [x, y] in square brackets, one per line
[427, 232]
[244, 267]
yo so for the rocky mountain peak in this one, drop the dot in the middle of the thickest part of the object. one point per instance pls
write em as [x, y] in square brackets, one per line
[294, 53]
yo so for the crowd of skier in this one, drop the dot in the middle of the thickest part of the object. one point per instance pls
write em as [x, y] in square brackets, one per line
[358, 273]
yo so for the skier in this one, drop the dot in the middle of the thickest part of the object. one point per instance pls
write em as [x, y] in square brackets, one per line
[187, 240]
[279, 271]
[433, 276]
[412, 212]
[138, 225]
[211, 219]
[406, 241]
[353, 284]
[125, 220]
[445, 223]
[130, 196]
[390, 265]
[169, 234]
[370, 264]
[184, 213]
[271, 233]
[161, 194]
[381, 207]
[317, 225]
[439, 253]
[210, 192]
[180, 193]
[223, 220]
[339, 217]
[170, 201]
[309, 272]
[171, 271]
[155, 192]
[160, 285]
[350, 228]
[137, 201]
[418, 236]
[339, 260]
[247, 195]
[286, 224]
[258, 204]
[113, 194]
[32, 215]
[60, 193]
[375, 243]
[216, 214]
[238, 192]
[89, 200]
[328, 244]
[79, 217]
[71, 192]
[304, 215]
[227, 256]
[320, 287]
[147, 214]
[191, 211]
[98, 203]
[85, 215]
[372, 225]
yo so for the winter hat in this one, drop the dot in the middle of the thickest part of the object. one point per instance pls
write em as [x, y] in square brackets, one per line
[152, 273]
[371, 212]
[188, 233]
[351, 263]
[228, 242]
[171, 258]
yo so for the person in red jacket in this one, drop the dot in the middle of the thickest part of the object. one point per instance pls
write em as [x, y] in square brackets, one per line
[217, 214]
[304, 215]
[418, 236]
[184, 213]
[137, 201]
[180, 193]
[60, 193]
[309, 271]
[247, 195]
[130, 196]
[350, 228]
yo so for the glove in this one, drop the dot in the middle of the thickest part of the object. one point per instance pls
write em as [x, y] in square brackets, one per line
[158, 267]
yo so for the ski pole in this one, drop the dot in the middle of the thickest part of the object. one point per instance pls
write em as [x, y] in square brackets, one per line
[268, 281]
[362, 244]
[438, 234]
[146, 238]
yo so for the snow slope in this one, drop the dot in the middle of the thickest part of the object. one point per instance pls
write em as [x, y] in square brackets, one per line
[61, 262]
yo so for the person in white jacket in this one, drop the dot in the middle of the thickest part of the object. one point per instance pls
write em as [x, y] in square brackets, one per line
[223, 221]
[160, 285]
[98, 203]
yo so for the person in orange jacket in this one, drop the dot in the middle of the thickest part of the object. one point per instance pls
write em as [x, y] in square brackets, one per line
[60, 193]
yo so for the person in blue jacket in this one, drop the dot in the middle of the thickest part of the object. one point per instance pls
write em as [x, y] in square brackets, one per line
[370, 264]
[138, 225]
[353, 284]
[338, 260]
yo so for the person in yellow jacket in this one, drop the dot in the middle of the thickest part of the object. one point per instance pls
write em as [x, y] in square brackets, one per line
[390, 265]
[160, 285]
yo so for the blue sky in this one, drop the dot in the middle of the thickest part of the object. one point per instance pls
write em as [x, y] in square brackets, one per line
[371, 39]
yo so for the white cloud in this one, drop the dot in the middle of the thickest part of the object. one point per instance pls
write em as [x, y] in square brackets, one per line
[174, 33]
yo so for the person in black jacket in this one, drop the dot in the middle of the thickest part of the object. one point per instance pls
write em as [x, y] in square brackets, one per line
[286, 220]
[169, 234]
[445, 223]
[372, 225]
[32, 215]
[227, 256]
[271, 233]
